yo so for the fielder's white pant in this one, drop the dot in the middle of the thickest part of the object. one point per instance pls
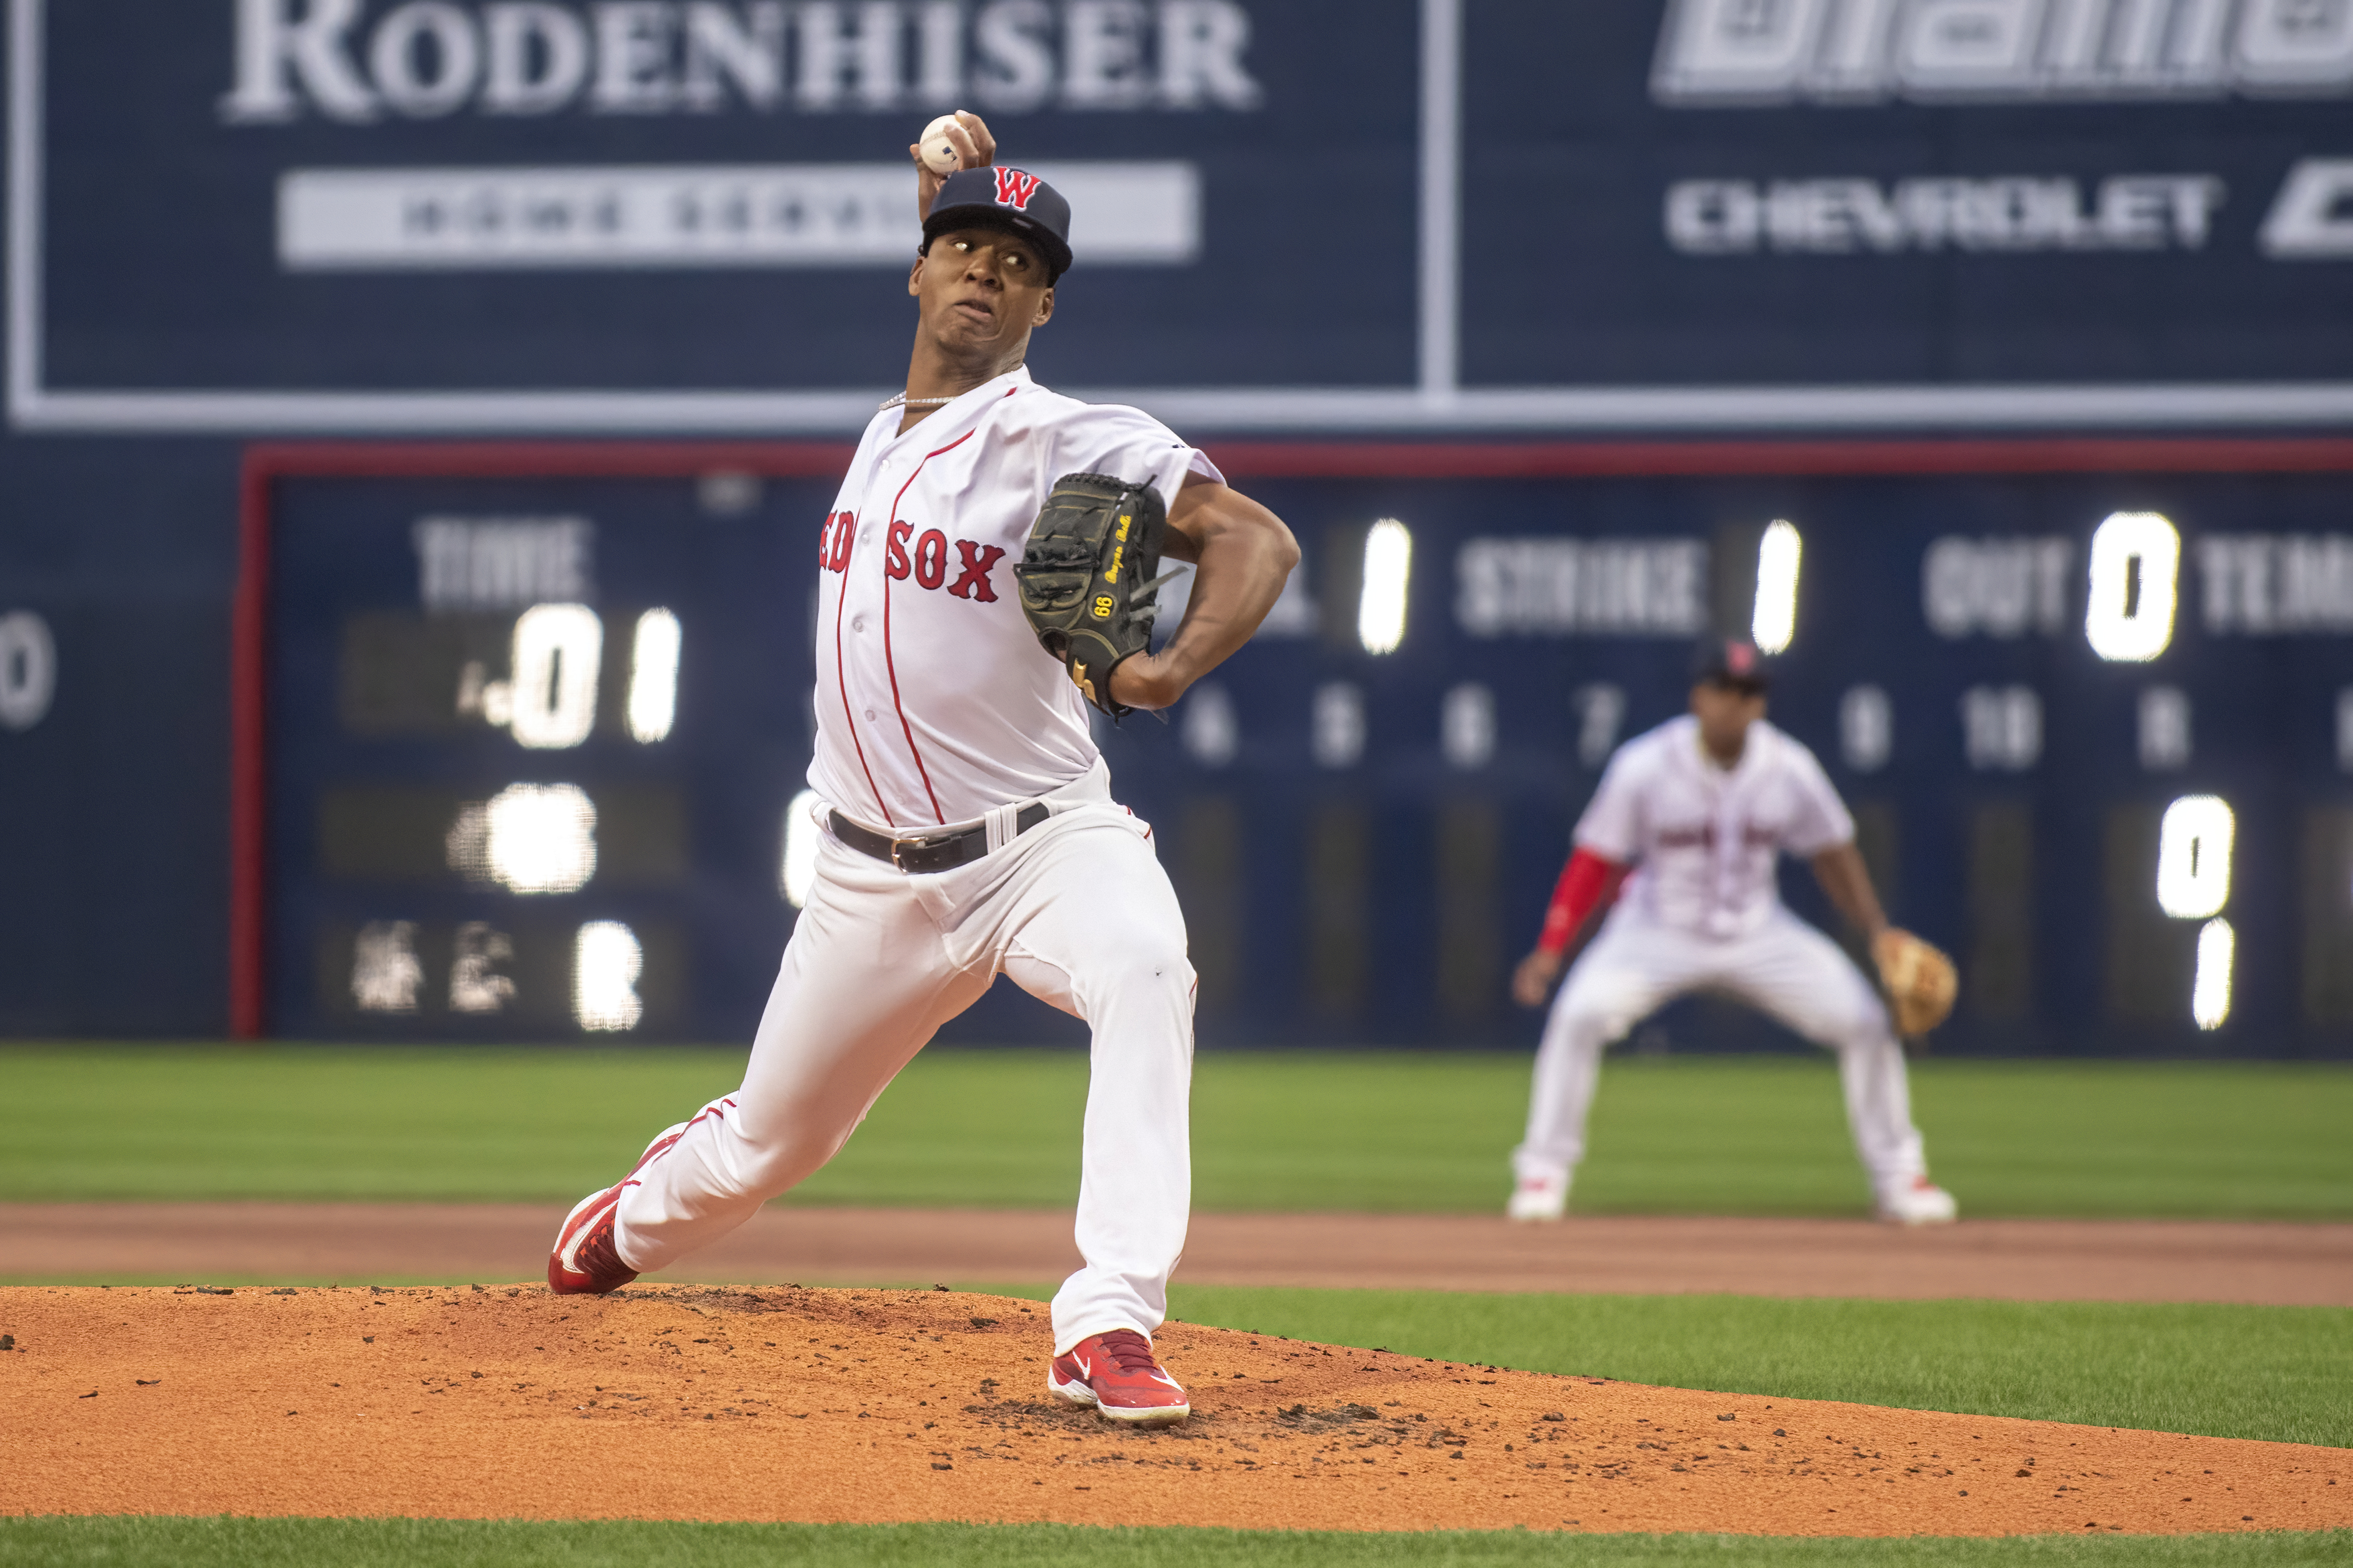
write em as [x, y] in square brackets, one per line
[1785, 967]
[1080, 913]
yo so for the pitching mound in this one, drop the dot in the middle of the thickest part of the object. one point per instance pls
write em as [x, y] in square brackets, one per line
[879, 1406]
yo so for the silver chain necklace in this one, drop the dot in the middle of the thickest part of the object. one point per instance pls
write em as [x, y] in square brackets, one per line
[903, 400]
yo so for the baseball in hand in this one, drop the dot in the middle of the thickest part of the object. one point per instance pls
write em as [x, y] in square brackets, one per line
[939, 154]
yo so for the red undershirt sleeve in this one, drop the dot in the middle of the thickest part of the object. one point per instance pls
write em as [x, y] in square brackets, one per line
[1586, 883]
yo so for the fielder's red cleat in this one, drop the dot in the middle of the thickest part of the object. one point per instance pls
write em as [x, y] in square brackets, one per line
[1117, 1374]
[584, 1261]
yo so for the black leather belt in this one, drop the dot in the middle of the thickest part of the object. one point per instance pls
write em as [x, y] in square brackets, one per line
[925, 855]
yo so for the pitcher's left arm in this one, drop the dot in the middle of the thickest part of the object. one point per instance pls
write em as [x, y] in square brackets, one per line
[1242, 554]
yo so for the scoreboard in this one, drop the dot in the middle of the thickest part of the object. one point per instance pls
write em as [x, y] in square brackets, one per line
[532, 722]
[523, 730]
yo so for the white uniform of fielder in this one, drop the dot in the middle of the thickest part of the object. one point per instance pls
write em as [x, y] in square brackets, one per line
[1701, 910]
[936, 709]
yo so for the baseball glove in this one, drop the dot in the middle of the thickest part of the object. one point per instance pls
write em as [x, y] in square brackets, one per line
[1921, 981]
[1083, 577]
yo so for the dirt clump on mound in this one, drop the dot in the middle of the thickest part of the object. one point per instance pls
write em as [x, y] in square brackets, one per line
[871, 1405]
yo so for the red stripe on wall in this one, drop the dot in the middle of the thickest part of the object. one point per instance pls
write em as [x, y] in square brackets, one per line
[249, 794]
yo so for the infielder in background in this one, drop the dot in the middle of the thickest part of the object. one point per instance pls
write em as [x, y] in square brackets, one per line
[1687, 825]
[968, 824]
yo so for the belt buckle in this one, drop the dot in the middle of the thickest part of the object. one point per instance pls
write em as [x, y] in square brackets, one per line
[899, 844]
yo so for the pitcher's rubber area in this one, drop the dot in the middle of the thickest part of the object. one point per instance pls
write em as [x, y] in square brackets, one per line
[2279, 1264]
[867, 1405]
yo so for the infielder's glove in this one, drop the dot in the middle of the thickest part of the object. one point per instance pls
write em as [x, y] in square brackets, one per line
[1083, 577]
[1921, 981]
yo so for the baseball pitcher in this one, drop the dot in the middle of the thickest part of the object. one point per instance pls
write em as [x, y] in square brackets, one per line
[1679, 847]
[989, 571]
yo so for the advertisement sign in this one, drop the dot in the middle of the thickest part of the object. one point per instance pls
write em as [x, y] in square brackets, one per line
[598, 216]
[1995, 211]
[659, 213]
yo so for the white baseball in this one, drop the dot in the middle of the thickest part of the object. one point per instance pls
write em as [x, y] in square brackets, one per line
[939, 154]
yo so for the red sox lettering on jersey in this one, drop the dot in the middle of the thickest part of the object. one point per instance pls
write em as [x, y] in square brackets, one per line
[929, 564]
[935, 703]
[1703, 839]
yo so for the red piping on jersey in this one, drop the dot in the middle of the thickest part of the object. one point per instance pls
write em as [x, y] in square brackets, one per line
[841, 679]
[890, 662]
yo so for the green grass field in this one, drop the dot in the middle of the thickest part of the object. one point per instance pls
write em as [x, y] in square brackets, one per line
[1286, 1131]
[2278, 1374]
[443, 1544]
[1299, 1131]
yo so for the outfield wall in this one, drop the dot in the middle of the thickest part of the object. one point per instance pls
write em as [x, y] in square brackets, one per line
[239, 222]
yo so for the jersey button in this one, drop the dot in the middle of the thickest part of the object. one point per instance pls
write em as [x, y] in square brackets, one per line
[869, 715]
[858, 623]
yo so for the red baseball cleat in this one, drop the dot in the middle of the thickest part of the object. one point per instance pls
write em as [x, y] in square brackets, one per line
[1117, 1374]
[584, 1262]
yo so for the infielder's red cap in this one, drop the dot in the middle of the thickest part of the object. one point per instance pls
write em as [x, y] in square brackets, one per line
[1732, 661]
[1007, 198]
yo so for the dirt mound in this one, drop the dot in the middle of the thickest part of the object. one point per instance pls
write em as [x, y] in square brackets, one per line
[876, 1406]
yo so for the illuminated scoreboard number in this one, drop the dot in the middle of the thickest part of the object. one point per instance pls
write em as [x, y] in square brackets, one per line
[491, 812]
[2183, 854]
[2166, 873]
[541, 970]
[2171, 949]
[542, 677]
[2168, 881]
[28, 668]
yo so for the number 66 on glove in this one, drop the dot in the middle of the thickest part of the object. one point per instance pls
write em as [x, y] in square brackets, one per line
[1083, 577]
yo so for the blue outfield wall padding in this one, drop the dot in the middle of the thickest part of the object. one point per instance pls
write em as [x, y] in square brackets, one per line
[1419, 222]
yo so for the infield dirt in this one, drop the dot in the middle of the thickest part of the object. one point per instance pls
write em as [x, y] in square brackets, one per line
[2028, 1261]
[866, 1405]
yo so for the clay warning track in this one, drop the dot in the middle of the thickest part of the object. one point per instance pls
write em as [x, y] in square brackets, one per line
[867, 1405]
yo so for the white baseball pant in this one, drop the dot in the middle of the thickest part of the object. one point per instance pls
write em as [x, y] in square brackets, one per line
[1079, 912]
[1785, 967]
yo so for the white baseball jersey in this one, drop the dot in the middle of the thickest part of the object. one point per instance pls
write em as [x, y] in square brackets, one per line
[1701, 911]
[935, 703]
[1703, 838]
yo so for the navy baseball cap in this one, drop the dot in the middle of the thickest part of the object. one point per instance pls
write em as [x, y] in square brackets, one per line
[1007, 198]
[1732, 661]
